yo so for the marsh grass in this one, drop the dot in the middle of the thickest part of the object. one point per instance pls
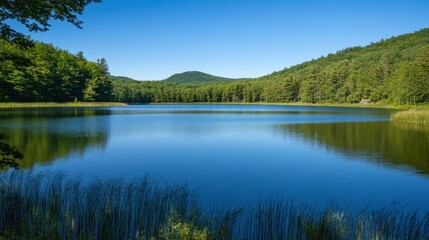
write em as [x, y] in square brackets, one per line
[54, 104]
[53, 206]
[412, 116]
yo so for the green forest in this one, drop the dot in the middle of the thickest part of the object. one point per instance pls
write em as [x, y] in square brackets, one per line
[389, 71]
[393, 71]
[43, 73]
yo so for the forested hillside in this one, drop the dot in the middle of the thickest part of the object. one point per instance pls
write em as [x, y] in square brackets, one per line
[391, 71]
[41, 72]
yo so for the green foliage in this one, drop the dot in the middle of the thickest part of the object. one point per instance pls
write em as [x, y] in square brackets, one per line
[45, 73]
[391, 71]
[178, 229]
[35, 16]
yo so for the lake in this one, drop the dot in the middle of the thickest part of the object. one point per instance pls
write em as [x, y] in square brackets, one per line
[235, 154]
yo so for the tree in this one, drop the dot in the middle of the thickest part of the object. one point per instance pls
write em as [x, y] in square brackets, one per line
[99, 86]
[422, 72]
[410, 84]
[309, 90]
[35, 15]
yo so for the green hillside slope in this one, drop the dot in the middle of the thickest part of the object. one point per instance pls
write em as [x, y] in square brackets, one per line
[395, 70]
[194, 77]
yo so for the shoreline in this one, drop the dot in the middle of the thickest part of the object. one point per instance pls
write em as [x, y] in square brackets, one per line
[7, 105]
[351, 105]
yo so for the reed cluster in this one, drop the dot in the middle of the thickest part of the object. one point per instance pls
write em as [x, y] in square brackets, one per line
[283, 220]
[54, 206]
[412, 116]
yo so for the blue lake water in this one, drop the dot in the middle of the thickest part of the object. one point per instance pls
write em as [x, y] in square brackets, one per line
[235, 154]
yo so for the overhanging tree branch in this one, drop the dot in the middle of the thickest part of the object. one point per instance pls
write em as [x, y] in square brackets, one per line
[35, 15]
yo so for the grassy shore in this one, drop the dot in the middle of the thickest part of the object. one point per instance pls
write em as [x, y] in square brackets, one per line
[53, 206]
[412, 116]
[54, 104]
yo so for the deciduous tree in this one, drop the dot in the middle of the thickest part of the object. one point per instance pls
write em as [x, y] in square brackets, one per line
[36, 14]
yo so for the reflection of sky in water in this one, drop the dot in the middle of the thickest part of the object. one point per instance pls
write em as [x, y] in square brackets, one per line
[235, 155]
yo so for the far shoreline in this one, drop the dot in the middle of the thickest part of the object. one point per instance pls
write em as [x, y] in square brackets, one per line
[351, 105]
[8, 105]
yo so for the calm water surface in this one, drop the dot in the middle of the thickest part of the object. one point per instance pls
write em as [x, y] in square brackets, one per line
[235, 153]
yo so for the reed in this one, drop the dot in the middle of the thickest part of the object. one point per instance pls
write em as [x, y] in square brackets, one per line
[412, 116]
[54, 206]
[54, 104]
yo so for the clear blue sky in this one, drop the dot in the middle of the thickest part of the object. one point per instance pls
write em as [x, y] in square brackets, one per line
[153, 39]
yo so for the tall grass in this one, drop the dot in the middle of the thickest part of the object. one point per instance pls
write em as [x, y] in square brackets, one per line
[53, 206]
[412, 116]
[283, 220]
[53, 104]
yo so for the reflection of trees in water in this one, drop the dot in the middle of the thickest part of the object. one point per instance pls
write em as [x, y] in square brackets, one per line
[9, 155]
[396, 143]
[45, 135]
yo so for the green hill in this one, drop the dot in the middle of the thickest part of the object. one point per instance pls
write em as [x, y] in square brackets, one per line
[190, 78]
[395, 71]
[194, 77]
[122, 78]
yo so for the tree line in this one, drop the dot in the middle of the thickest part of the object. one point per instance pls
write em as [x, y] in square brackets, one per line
[391, 71]
[44, 73]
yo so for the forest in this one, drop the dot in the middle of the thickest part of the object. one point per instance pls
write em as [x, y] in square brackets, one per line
[43, 73]
[394, 71]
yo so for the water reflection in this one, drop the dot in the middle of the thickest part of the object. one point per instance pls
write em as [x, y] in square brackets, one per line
[234, 156]
[394, 144]
[45, 135]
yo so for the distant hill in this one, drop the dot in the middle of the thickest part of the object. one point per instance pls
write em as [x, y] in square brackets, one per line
[195, 77]
[394, 70]
[190, 78]
[121, 78]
